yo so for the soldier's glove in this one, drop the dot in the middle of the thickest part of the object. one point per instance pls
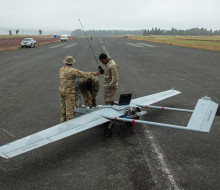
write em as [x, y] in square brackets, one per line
[89, 102]
[87, 99]
[101, 70]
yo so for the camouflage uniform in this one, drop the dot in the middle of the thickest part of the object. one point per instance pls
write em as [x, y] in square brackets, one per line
[68, 76]
[89, 94]
[110, 82]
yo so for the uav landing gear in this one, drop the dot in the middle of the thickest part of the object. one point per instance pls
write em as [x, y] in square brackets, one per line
[131, 128]
[108, 130]
[121, 127]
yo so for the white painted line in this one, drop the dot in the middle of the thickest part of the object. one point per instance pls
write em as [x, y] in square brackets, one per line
[104, 48]
[164, 166]
[148, 45]
[135, 45]
[183, 79]
[57, 46]
[70, 45]
[106, 51]
[101, 42]
[165, 172]
[7, 132]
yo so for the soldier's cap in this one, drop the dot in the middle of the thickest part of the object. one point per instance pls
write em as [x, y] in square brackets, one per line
[69, 60]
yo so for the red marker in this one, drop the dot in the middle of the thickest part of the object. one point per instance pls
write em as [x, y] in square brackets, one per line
[133, 122]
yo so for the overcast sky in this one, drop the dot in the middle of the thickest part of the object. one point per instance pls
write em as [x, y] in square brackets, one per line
[111, 14]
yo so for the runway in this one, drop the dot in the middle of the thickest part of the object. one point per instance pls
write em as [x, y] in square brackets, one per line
[153, 158]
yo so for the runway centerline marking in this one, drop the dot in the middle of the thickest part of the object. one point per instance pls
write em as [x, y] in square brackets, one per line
[104, 48]
[57, 46]
[70, 45]
[106, 51]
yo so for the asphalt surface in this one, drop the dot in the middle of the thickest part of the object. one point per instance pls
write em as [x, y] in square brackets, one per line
[153, 158]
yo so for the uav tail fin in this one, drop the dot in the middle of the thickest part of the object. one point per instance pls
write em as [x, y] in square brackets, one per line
[203, 115]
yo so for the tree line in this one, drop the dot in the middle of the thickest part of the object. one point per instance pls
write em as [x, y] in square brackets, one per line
[191, 32]
[79, 32]
[144, 32]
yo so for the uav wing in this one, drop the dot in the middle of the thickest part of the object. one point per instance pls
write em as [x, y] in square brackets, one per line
[150, 99]
[56, 133]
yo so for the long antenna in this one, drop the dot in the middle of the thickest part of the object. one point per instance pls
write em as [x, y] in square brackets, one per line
[89, 43]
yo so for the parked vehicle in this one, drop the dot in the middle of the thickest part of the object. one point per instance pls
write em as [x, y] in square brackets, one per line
[28, 42]
[63, 38]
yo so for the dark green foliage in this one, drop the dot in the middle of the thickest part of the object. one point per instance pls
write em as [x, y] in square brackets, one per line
[188, 32]
[79, 32]
[153, 31]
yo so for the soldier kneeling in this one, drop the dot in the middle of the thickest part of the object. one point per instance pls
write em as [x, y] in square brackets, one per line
[89, 88]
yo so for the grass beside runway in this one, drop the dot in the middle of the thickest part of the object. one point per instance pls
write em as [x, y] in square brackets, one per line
[200, 42]
[13, 42]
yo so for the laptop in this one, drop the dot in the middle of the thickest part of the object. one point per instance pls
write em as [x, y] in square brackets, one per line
[125, 99]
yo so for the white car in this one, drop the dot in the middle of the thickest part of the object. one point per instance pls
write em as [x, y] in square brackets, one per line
[28, 42]
[63, 38]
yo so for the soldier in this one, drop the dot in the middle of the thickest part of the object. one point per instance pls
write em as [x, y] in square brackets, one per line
[89, 88]
[68, 76]
[111, 78]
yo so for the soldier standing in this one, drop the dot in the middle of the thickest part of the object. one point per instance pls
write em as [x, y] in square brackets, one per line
[89, 88]
[68, 76]
[111, 78]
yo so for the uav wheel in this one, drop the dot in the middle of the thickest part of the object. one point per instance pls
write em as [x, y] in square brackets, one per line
[108, 132]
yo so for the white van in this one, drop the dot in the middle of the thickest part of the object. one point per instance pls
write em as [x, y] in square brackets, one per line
[63, 38]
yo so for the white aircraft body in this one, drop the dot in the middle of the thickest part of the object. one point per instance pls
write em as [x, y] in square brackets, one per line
[201, 120]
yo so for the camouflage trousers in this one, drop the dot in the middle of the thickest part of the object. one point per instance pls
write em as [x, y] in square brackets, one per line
[67, 104]
[109, 95]
[94, 97]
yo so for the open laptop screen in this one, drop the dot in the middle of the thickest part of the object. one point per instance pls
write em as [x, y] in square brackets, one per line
[125, 99]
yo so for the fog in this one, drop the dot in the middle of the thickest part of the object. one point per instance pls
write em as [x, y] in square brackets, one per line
[114, 14]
